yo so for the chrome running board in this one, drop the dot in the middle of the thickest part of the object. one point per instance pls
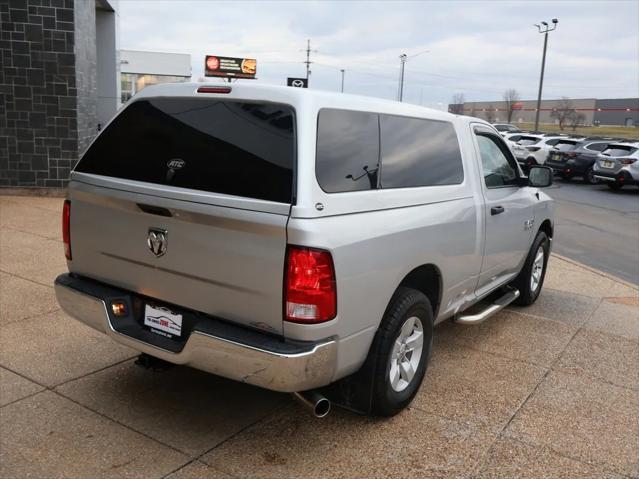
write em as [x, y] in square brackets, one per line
[497, 306]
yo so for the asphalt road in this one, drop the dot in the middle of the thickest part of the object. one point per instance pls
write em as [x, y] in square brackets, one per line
[598, 227]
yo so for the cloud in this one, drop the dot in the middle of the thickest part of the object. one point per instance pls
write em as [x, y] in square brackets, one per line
[478, 48]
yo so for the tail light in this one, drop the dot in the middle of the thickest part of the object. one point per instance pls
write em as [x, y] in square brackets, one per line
[66, 228]
[571, 154]
[626, 161]
[532, 148]
[310, 294]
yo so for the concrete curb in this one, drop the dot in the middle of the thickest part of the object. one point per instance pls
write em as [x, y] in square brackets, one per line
[596, 271]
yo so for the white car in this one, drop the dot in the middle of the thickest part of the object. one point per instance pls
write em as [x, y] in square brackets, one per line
[533, 149]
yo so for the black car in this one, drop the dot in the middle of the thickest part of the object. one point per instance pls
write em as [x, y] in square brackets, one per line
[577, 160]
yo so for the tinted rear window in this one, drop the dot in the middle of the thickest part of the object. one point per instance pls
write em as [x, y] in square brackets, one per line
[235, 148]
[347, 150]
[565, 146]
[618, 150]
[417, 152]
[527, 140]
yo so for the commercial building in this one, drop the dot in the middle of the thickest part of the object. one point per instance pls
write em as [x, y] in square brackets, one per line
[614, 112]
[58, 83]
[139, 69]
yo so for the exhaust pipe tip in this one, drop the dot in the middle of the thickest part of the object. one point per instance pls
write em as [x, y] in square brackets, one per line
[318, 404]
[322, 408]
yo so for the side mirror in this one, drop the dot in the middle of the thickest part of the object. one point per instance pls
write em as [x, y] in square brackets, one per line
[540, 176]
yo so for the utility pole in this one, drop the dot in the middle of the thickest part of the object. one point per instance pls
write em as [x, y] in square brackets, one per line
[545, 29]
[342, 70]
[402, 59]
[308, 58]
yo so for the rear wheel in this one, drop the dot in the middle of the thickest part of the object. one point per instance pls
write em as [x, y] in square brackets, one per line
[401, 351]
[613, 185]
[531, 278]
[589, 177]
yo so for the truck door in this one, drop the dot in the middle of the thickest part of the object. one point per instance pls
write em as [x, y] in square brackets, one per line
[508, 210]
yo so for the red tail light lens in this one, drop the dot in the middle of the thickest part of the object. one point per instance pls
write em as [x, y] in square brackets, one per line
[66, 228]
[310, 295]
[532, 148]
[627, 161]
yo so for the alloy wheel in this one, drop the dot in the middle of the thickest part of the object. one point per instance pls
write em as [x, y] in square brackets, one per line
[406, 354]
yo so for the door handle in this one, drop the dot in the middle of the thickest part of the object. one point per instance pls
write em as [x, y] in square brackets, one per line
[496, 210]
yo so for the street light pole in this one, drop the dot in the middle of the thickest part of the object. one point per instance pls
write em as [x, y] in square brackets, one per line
[545, 29]
[402, 59]
[342, 70]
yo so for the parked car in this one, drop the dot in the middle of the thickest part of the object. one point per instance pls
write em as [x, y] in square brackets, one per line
[533, 150]
[617, 165]
[296, 240]
[578, 161]
[504, 128]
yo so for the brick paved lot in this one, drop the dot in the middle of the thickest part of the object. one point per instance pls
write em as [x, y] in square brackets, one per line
[547, 391]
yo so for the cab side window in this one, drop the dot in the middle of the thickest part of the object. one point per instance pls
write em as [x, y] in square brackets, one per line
[498, 170]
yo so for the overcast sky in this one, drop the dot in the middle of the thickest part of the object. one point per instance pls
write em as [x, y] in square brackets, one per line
[478, 48]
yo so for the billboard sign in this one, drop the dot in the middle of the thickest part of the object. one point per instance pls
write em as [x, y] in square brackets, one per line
[297, 82]
[229, 67]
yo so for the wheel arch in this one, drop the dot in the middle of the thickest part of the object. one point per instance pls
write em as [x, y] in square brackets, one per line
[427, 279]
[547, 227]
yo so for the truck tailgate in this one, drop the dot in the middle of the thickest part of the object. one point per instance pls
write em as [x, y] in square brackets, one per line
[222, 261]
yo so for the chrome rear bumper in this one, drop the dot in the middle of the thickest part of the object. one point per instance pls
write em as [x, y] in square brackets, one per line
[293, 368]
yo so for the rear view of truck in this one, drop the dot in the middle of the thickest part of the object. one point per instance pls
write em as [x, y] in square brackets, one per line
[175, 235]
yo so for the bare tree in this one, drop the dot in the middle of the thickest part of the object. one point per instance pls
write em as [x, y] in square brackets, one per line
[576, 119]
[490, 113]
[563, 111]
[511, 97]
[457, 104]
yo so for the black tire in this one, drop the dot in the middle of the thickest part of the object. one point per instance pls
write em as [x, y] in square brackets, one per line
[589, 177]
[566, 178]
[614, 186]
[527, 294]
[405, 304]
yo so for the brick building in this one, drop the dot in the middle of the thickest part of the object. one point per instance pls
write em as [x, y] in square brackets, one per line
[59, 81]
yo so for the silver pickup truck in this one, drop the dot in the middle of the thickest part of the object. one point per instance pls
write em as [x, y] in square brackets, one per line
[301, 241]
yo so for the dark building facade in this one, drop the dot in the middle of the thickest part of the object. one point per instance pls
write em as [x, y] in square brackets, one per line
[617, 111]
[48, 88]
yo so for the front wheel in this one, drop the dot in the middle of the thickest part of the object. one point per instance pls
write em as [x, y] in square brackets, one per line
[531, 278]
[401, 351]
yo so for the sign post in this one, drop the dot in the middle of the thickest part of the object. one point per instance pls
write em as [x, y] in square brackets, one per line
[297, 82]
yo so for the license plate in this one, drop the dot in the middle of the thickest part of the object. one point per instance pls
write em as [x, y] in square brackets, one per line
[608, 164]
[556, 157]
[162, 320]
